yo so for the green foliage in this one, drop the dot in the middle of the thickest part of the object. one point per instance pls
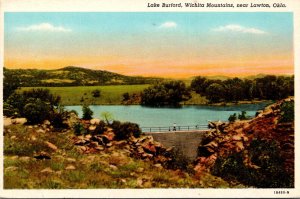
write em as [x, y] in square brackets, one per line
[264, 154]
[107, 116]
[243, 116]
[126, 96]
[287, 112]
[100, 128]
[36, 111]
[87, 113]
[58, 116]
[36, 105]
[232, 117]
[269, 87]
[70, 76]
[9, 110]
[124, 130]
[79, 129]
[96, 93]
[10, 83]
[167, 93]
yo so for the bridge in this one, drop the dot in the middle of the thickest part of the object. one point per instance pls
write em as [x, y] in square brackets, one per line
[185, 139]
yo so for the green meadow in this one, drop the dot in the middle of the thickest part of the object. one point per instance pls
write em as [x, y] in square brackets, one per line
[79, 95]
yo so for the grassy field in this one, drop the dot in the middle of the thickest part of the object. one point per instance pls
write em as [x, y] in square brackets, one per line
[79, 95]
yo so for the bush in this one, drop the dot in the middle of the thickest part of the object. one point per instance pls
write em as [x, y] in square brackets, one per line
[287, 112]
[87, 113]
[100, 128]
[124, 130]
[232, 117]
[79, 129]
[96, 93]
[35, 105]
[270, 174]
[36, 111]
[243, 116]
[57, 118]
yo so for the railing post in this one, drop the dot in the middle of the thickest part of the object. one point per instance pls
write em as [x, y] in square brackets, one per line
[150, 129]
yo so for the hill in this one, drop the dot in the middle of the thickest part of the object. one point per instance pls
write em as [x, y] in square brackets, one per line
[73, 76]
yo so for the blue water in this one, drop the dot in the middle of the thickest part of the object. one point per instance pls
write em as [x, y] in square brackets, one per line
[184, 116]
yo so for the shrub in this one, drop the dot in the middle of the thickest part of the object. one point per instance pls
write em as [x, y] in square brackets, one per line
[100, 128]
[232, 117]
[96, 93]
[87, 113]
[125, 130]
[243, 116]
[79, 129]
[270, 174]
[36, 111]
[57, 118]
[287, 112]
[36, 104]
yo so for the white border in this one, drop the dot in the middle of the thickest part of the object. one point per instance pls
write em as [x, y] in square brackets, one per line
[141, 6]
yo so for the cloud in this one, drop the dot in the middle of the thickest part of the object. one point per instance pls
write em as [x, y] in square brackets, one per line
[239, 28]
[168, 24]
[44, 27]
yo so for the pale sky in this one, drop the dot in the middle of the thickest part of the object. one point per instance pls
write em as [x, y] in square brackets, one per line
[165, 44]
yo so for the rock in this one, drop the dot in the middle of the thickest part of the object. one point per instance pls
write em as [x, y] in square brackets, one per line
[239, 146]
[7, 121]
[11, 168]
[30, 127]
[19, 121]
[100, 148]
[237, 137]
[47, 122]
[159, 166]
[88, 137]
[13, 137]
[92, 128]
[47, 170]
[24, 158]
[149, 147]
[40, 131]
[51, 146]
[33, 138]
[80, 142]
[113, 167]
[42, 156]
[70, 167]
[71, 159]
[94, 144]
[109, 144]
[95, 121]
[140, 170]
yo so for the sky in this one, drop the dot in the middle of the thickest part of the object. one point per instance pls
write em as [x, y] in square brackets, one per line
[166, 44]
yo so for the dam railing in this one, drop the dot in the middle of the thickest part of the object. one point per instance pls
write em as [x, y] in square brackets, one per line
[175, 128]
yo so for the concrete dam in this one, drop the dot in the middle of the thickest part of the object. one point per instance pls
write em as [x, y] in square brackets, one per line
[186, 142]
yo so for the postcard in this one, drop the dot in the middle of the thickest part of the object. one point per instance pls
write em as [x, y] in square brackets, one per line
[150, 98]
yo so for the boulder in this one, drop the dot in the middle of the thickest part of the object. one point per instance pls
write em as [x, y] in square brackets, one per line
[92, 128]
[11, 168]
[51, 146]
[47, 170]
[95, 121]
[70, 167]
[19, 121]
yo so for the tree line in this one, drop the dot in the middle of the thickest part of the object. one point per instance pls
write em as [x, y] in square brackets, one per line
[172, 93]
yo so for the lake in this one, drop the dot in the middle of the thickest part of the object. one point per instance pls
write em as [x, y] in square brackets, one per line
[164, 117]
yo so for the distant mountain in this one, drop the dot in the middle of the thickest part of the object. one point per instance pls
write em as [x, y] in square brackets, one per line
[73, 76]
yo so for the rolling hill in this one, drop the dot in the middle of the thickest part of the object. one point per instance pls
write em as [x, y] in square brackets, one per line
[73, 76]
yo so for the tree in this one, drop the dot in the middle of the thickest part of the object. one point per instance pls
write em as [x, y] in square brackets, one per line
[96, 93]
[167, 93]
[87, 113]
[215, 92]
[10, 84]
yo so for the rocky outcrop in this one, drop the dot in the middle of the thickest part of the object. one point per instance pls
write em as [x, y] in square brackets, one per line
[143, 147]
[236, 137]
